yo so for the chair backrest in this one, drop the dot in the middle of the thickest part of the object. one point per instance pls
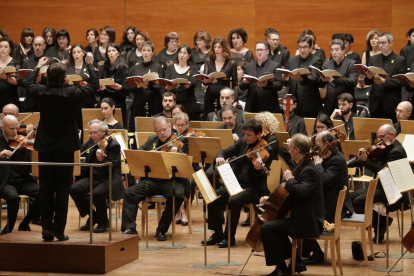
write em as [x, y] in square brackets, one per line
[273, 180]
[285, 165]
[338, 218]
[363, 111]
[369, 201]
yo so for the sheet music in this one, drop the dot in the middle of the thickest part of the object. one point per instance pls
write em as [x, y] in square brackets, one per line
[206, 185]
[120, 140]
[388, 184]
[229, 179]
[409, 146]
[402, 174]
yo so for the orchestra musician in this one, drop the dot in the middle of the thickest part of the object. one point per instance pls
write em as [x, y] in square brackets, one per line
[108, 112]
[15, 180]
[102, 151]
[57, 139]
[168, 104]
[307, 210]
[296, 123]
[11, 109]
[134, 195]
[251, 177]
[345, 114]
[226, 98]
[403, 112]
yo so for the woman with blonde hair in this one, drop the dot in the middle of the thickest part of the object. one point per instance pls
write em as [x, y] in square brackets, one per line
[270, 125]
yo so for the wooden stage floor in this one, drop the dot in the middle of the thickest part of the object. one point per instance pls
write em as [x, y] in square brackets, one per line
[179, 261]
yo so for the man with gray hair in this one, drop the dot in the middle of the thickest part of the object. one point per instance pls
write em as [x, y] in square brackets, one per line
[100, 148]
[226, 99]
[386, 92]
[386, 134]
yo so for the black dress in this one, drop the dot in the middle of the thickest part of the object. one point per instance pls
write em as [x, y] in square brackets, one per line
[97, 56]
[163, 56]
[152, 95]
[213, 90]
[54, 52]
[119, 96]
[132, 58]
[354, 56]
[248, 56]
[408, 53]
[199, 58]
[117, 125]
[367, 57]
[8, 91]
[185, 96]
[18, 55]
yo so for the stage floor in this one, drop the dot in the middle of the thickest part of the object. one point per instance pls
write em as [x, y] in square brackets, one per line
[179, 261]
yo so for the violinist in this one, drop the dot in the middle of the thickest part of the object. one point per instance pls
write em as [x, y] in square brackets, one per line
[394, 151]
[15, 180]
[134, 195]
[331, 164]
[104, 151]
[345, 114]
[228, 113]
[251, 177]
[270, 125]
[307, 210]
[12, 109]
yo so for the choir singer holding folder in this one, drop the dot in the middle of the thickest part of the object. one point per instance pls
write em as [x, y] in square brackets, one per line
[262, 95]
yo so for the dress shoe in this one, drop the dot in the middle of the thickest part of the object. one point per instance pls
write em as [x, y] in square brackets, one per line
[4, 231]
[314, 259]
[61, 236]
[214, 239]
[24, 227]
[37, 222]
[47, 235]
[224, 243]
[299, 266]
[184, 223]
[130, 231]
[246, 222]
[161, 236]
[178, 221]
[382, 229]
[278, 272]
[101, 228]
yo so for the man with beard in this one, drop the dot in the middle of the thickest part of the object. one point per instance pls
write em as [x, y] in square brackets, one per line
[226, 98]
[403, 112]
[345, 114]
[168, 103]
[228, 114]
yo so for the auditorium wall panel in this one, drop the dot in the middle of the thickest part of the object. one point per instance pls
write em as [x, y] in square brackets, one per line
[290, 17]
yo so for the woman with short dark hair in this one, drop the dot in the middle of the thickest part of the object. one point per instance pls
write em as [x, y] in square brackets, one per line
[171, 42]
[61, 50]
[8, 83]
[237, 38]
[92, 37]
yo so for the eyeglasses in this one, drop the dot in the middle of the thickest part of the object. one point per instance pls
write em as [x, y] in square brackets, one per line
[380, 137]
[303, 48]
[62, 38]
[381, 43]
[260, 50]
[173, 41]
[321, 127]
[37, 45]
[335, 50]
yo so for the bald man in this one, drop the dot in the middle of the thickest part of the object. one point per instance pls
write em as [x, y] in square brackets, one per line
[403, 112]
[12, 109]
[15, 180]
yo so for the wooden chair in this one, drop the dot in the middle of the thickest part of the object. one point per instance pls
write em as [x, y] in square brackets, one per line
[364, 221]
[334, 238]
[158, 199]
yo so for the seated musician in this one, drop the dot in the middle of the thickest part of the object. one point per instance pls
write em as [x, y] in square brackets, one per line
[387, 134]
[332, 166]
[100, 153]
[345, 114]
[12, 109]
[307, 209]
[134, 195]
[168, 102]
[251, 177]
[226, 98]
[228, 114]
[296, 123]
[15, 180]
[403, 112]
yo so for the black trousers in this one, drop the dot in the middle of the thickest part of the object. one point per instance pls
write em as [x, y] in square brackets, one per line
[55, 182]
[78, 192]
[276, 243]
[215, 210]
[134, 195]
[11, 192]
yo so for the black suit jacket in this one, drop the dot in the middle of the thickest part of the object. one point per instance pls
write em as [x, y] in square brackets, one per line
[238, 129]
[296, 125]
[58, 129]
[334, 174]
[280, 55]
[113, 152]
[306, 201]
[389, 93]
[262, 98]
[20, 155]
[307, 90]
[239, 116]
[349, 126]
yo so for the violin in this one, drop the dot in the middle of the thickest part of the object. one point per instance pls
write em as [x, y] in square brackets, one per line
[103, 144]
[341, 138]
[21, 142]
[333, 130]
[259, 151]
[265, 134]
[190, 131]
[173, 141]
[375, 151]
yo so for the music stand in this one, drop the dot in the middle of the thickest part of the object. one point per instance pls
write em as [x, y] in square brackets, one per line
[141, 163]
[205, 124]
[366, 128]
[225, 135]
[178, 165]
[146, 124]
[142, 137]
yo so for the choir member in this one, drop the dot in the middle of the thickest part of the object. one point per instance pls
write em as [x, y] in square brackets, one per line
[49, 34]
[262, 96]
[145, 92]
[108, 112]
[349, 40]
[241, 68]
[202, 45]
[3, 33]
[278, 52]
[115, 68]
[386, 92]
[134, 57]
[346, 68]
[304, 88]
[128, 40]
[92, 37]
[316, 51]
[26, 41]
[219, 61]
[408, 51]
[61, 50]
[8, 83]
[184, 68]
[237, 38]
[106, 36]
[361, 91]
[171, 42]
[372, 47]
